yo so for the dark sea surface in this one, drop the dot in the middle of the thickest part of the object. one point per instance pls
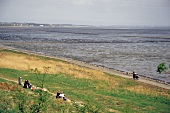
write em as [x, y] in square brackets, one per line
[140, 50]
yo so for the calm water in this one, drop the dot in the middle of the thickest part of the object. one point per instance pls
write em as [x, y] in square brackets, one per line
[121, 49]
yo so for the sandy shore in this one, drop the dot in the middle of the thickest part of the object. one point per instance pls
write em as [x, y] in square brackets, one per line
[107, 70]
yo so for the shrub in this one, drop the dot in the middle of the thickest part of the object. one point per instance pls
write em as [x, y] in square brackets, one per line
[161, 67]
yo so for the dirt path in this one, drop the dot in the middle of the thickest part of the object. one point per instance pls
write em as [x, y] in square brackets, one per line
[100, 68]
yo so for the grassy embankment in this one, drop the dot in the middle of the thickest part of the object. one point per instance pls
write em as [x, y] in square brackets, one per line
[98, 90]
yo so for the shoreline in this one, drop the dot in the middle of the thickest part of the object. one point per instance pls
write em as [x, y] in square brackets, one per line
[143, 79]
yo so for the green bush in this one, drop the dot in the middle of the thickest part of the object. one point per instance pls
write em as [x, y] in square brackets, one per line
[161, 67]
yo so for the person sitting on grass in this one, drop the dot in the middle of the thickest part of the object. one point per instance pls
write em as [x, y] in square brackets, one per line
[62, 96]
[29, 85]
[26, 84]
[58, 94]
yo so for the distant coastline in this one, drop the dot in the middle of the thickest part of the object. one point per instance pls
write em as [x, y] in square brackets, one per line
[17, 24]
[30, 24]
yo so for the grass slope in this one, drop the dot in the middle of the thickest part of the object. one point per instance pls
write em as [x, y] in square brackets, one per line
[106, 92]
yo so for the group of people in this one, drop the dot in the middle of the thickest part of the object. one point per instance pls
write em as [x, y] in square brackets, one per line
[60, 95]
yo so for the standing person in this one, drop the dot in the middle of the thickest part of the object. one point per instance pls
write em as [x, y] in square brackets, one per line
[20, 81]
[58, 94]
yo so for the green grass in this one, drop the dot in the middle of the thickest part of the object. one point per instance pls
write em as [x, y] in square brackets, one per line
[12, 73]
[97, 93]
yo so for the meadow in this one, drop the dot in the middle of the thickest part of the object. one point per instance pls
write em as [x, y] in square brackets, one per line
[89, 90]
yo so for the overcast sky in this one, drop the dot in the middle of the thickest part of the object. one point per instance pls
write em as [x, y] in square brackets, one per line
[87, 12]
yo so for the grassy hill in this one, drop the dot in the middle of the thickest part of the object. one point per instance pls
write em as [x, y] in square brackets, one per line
[95, 90]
